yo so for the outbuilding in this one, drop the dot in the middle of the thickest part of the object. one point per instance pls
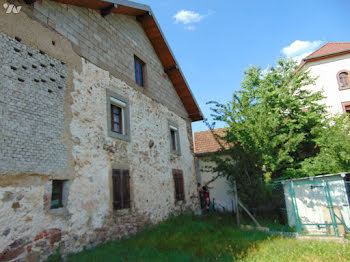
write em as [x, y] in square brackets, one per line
[318, 205]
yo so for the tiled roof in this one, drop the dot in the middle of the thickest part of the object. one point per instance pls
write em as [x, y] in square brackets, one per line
[205, 142]
[329, 48]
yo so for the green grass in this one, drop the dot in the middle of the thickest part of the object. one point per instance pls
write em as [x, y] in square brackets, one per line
[192, 238]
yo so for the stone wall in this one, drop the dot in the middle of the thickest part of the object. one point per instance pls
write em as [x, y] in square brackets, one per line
[29, 229]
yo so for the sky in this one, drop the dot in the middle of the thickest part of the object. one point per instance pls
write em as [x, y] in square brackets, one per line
[215, 41]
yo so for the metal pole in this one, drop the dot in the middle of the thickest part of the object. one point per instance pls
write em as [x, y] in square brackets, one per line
[236, 202]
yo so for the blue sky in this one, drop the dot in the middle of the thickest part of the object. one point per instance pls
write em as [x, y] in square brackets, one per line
[214, 41]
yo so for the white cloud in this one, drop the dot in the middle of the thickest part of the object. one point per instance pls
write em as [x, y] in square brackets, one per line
[187, 17]
[300, 49]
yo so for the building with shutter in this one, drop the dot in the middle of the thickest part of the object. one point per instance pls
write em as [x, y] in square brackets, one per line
[221, 192]
[330, 65]
[95, 126]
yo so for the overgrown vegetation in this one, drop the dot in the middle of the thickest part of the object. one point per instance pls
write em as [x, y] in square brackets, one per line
[193, 238]
[277, 129]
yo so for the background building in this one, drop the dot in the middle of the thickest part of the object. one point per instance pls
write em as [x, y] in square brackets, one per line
[204, 145]
[330, 64]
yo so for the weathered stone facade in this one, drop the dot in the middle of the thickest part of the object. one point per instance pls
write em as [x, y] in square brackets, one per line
[53, 125]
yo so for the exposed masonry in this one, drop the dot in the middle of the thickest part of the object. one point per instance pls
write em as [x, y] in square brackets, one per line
[111, 43]
[32, 90]
[30, 230]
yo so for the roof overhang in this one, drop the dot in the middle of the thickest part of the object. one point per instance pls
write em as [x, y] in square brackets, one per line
[144, 15]
[324, 56]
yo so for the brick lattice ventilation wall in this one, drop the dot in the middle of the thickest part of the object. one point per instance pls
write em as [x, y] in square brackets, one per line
[32, 90]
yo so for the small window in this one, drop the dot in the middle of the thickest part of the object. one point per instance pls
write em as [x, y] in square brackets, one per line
[139, 71]
[343, 79]
[346, 107]
[118, 116]
[179, 185]
[174, 139]
[117, 119]
[57, 194]
[121, 189]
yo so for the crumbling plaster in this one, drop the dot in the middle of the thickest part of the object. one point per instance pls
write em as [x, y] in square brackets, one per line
[28, 229]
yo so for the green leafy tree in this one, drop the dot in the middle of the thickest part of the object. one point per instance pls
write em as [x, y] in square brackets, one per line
[334, 145]
[273, 124]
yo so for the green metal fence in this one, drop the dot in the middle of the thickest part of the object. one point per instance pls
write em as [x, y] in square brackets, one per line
[302, 225]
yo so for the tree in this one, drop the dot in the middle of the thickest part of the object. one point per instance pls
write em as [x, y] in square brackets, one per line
[273, 124]
[334, 144]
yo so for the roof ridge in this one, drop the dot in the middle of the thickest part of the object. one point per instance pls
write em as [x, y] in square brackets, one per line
[210, 129]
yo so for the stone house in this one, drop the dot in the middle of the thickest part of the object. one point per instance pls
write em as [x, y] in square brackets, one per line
[221, 192]
[95, 126]
[331, 65]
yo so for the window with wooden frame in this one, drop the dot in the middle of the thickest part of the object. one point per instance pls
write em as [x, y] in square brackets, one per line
[346, 107]
[179, 185]
[139, 71]
[57, 194]
[343, 78]
[174, 139]
[118, 116]
[121, 189]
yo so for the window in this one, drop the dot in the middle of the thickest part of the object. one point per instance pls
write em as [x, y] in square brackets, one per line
[57, 194]
[343, 79]
[117, 119]
[121, 189]
[118, 116]
[174, 139]
[179, 185]
[346, 107]
[139, 71]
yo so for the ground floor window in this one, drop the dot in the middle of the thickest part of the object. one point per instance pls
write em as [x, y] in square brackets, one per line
[57, 194]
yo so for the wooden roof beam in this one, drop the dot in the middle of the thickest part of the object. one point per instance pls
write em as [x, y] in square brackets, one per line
[107, 10]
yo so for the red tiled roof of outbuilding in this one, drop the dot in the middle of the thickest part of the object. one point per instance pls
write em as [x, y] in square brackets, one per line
[205, 142]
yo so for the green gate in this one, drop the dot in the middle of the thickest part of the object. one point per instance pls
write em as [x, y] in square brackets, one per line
[325, 192]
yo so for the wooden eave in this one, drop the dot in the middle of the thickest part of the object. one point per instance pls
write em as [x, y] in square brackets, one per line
[144, 15]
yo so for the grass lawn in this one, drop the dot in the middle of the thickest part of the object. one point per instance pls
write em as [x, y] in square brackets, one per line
[192, 238]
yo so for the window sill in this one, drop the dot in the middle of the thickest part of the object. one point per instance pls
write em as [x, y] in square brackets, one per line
[345, 88]
[175, 153]
[59, 212]
[119, 136]
[122, 212]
